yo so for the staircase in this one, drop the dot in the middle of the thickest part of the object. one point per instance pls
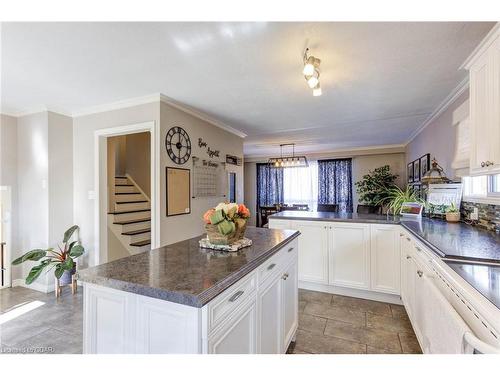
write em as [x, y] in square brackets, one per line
[130, 218]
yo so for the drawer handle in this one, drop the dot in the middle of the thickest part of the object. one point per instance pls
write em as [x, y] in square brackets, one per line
[236, 295]
[401, 234]
[408, 239]
[483, 164]
[271, 266]
[408, 257]
[420, 273]
[290, 249]
[418, 248]
[285, 276]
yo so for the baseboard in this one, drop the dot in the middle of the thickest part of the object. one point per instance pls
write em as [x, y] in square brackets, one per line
[350, 292]
[35, 286]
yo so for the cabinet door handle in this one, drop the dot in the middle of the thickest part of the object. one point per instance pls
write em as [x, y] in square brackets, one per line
[408, 257]
[401, 234]
[285, 276]
[408, 239]
[483, 164]
[271, 266]
[290, 249]
[418, 248]
[236, 295]
[420, 273]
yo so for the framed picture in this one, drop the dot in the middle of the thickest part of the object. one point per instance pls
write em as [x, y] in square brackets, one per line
[178, 191]
[416, 170]
[425, 164]
[409, 172]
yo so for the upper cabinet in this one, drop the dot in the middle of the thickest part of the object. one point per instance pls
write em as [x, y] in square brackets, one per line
[484, 74]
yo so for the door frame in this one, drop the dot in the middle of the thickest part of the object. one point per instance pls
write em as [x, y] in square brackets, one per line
[100, 183]
[6, 228]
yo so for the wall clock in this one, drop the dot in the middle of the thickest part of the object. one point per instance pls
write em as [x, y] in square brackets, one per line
[178, 145]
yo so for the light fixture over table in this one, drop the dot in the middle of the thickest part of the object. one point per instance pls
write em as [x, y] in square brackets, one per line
[311, 72]
[292, 161]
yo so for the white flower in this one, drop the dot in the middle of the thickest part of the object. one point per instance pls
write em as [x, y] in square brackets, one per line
[229, 207]
[221, 206]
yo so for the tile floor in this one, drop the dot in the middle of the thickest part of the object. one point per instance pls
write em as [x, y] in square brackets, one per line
[327, 324]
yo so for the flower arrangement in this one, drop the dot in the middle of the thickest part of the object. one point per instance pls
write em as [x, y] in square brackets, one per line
[226, 223]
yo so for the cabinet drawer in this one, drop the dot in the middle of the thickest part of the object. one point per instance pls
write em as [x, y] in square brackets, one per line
[276, 263]
[223, 305]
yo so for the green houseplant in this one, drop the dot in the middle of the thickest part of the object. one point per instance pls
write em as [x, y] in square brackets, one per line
[394, 198]
[374, 187]
[61, 259]
[452, 213]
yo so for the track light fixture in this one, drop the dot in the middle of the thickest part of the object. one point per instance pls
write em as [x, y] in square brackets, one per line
[311, 72]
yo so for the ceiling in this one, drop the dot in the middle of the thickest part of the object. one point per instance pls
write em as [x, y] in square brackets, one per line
[380, 81]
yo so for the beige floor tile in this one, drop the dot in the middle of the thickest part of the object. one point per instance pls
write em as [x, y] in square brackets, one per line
[302, 305]
[313, 296]
[374, 307]
[320, 344]
[374, 350]
[398, 311]
[311, 323]
[376, 338]
[388, 323]
[296, 351]
[409, 343]
[337, 313]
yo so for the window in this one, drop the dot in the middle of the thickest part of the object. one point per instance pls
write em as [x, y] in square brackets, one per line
[481, 187]
[300, 185]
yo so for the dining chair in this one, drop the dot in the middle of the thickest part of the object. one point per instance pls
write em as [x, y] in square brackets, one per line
[366, 209]
[328, 207]
[265, 212]
[302, 207]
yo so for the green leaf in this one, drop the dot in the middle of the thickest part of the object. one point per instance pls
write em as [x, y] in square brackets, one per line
[36, 271]
[59, 271]
[34, 255]
[69, 233]
[68, 264]
[76, 251]
[71, 245]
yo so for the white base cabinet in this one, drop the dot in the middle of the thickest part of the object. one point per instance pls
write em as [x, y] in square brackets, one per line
[258, 314]
[356, 256]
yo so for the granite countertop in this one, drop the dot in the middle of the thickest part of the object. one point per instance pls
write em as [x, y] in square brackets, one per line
[185, 273]
[333, 216]
[484, 278]
[456, 240]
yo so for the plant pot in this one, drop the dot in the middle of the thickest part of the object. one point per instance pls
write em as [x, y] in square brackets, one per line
[453, 217]
[216, 238]
[66, 277]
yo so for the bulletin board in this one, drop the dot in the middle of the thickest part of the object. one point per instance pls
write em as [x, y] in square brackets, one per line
[178, 191]
[210, 178]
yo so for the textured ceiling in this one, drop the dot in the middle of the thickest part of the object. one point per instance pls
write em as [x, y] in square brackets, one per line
[380, 81]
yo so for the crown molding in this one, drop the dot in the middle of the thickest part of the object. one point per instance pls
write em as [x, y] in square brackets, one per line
[481, 47]
[452, 96]
[35, 110]
[120, 104]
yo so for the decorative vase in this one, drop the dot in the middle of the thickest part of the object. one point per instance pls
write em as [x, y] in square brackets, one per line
[216, 238]
[66, 277]
[453, 217]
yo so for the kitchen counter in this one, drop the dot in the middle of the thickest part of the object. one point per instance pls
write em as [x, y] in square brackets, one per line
[185, 273]
[332, 216]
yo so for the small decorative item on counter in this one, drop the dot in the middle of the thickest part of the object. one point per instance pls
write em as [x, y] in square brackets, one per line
[226, 223]
[452, 214]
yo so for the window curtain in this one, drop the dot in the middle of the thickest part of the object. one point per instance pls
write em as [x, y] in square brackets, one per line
[335, 183]
[301, 185]
[269, 185]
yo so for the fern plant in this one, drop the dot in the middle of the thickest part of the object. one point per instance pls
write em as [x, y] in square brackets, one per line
[395, 197]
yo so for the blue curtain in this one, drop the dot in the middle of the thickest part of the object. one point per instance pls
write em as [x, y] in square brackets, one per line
[335, 183]
[269, 185]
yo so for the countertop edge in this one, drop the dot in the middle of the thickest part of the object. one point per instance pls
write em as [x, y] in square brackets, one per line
[367, 221]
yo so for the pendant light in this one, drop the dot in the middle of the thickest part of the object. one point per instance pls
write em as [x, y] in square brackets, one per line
[291, 161]
[311, 72]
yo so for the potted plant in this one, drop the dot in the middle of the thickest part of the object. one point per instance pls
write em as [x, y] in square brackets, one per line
[394, 197]
[374, 187]
[226, 223]
[61, 259]
[452, 213]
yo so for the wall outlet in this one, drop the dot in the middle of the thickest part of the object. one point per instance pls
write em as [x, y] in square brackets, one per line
[474, 215]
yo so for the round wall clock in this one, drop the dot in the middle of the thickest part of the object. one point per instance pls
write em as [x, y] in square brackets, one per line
[178, 145]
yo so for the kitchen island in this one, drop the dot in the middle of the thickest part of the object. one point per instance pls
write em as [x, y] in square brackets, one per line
[184, 299]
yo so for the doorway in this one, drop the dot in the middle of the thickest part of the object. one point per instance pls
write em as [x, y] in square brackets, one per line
[5, 236]
[126, 190]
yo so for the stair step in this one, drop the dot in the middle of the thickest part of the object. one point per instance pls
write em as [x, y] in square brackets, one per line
[124, 185]
[123, 222]
[128, 212]
[141, 243]
[133, 192]
[120, 176]
[139, 231]
[142, 201]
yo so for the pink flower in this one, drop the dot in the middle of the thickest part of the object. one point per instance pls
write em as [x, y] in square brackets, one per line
[207, 215]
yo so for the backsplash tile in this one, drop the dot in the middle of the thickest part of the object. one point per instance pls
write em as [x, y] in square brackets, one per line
[489, 214]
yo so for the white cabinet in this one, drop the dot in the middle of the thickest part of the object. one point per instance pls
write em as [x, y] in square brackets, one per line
[484, 74]
[237, 335]
[280, 224]
[271, 316]
[313, 251]
[349, 254]
[385, 258]
[290, 303]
